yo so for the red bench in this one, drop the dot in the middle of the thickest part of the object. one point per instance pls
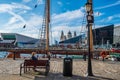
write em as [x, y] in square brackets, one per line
[35, 64]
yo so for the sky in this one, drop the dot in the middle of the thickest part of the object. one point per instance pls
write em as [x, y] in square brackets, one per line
[66, 15]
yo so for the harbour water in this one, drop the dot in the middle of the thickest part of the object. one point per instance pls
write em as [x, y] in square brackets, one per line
[3, 54]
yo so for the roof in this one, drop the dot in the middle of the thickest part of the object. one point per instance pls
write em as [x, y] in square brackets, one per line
[18, 37]
[24, 39]
[8, 36]
[72, 40]
[33, 41]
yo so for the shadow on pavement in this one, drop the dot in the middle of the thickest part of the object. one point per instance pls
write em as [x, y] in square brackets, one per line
[59, 76]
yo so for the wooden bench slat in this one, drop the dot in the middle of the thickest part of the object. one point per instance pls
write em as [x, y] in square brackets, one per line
[35, 64]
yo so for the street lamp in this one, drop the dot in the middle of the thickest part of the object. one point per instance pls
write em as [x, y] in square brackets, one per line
[88, 6]
[89, 22]
[90, 18]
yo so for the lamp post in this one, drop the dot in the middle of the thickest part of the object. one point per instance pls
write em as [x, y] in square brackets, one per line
[89, 22]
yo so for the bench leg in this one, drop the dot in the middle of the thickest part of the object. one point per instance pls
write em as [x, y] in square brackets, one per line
[24, 69]
[29, 69]
[20, 70]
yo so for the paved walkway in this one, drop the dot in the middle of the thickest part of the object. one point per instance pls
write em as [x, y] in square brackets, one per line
[108, 70]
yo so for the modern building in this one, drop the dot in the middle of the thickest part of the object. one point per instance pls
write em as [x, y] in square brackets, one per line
[103, 37]
[11, 40]
[116, 35]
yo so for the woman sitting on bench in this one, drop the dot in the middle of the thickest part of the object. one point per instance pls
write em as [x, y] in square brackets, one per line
[33, 57]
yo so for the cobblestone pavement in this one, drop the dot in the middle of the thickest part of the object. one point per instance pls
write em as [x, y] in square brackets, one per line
[107, 70]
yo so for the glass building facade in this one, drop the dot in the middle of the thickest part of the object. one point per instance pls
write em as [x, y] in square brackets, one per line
[103, 35]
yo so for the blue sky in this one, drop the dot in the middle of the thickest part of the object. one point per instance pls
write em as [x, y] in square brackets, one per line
[65, 15]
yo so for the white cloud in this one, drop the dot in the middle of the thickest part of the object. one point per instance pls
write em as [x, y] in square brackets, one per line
[110, 5]
[20, 6]
[13, 20]
[18, 17]
[22, 12]
[26, 1]
[118, 24]
[10, 8]
[67, 16]
[97, 14]
[39, 2]
[33, 24]
[110, 18]
[35, 21]
[13, 6]
[103, 21]
[5, 8]
[59, 3]
[16, 22]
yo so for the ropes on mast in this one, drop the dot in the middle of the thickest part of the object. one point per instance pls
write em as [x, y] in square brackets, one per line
[83, 29]
[43, 29]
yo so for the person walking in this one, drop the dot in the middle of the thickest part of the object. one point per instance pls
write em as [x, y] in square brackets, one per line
[103, 55]
[49, 55]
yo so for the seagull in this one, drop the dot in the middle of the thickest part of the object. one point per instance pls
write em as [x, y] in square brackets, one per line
[35, 6]
[24, 26]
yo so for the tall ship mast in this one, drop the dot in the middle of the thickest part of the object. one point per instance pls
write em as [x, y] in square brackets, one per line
[91, 35]
[44, 39]
[47, 23]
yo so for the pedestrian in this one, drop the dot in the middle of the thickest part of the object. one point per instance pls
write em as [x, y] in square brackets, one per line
[48, 55]
[84, 56]
[103, 55]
